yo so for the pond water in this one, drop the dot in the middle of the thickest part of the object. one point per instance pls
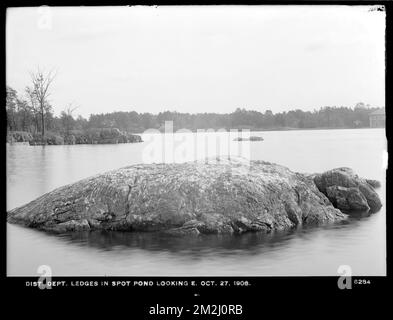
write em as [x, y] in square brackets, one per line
[359, 242]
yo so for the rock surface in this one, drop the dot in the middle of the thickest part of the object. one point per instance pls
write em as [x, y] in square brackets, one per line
[223, 196]
[374, 183]
[347, 199]
[347, 191]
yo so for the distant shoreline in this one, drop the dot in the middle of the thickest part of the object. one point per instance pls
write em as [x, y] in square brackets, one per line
[300, 129]
[194, 131]
[262, 130]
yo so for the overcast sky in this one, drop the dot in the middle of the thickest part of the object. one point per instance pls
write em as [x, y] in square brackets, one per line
[200, 59]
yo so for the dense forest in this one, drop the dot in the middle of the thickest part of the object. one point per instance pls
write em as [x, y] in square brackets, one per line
[26, 113]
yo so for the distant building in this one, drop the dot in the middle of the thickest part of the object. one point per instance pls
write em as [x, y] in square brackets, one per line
[377, 118]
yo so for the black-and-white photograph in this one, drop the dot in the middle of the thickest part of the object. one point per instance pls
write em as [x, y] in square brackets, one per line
[196, 141]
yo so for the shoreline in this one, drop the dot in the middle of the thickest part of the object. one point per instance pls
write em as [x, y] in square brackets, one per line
[26, 143]
[263, 130]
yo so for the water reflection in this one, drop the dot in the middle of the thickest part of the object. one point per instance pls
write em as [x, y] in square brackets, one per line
[195, 245]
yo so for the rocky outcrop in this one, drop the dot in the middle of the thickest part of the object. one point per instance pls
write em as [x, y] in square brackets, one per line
[347, 199]
[347, 191]
[373, 183]
[219, 196]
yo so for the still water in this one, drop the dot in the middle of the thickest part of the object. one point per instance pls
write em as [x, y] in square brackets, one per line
[359, 242]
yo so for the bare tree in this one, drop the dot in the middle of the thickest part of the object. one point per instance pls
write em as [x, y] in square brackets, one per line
[41, 83]
[11, 108]
[34, 106]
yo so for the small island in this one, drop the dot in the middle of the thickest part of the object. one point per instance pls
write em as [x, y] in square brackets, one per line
[216, 197]
[252, 138]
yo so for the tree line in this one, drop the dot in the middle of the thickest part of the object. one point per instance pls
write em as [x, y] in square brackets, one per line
[32, 112]
[326, 117]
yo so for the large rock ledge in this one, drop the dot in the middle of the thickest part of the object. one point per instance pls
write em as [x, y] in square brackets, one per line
[192, 198]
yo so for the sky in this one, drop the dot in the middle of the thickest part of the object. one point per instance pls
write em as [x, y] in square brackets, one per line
[200, 58]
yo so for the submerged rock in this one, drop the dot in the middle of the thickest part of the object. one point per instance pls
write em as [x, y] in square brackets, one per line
[224, 196]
